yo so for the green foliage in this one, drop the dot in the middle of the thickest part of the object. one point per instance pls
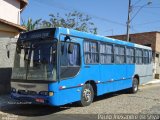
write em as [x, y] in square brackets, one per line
[74, 20]
[31, 25]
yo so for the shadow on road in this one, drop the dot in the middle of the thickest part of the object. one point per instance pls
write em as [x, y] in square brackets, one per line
[41, 110]
[110, 95]
[31, 110]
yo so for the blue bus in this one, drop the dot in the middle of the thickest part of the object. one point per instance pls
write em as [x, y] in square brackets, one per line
[57, 66]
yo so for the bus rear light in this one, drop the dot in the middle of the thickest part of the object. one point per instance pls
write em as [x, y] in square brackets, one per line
[40, 100]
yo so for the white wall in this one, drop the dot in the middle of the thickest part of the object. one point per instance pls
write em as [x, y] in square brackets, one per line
[10, 10]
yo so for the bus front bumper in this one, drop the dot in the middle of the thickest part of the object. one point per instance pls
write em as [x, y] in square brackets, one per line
[30, 99]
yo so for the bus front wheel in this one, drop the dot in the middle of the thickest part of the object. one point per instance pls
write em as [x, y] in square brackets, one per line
[87, 95]
[134, 87]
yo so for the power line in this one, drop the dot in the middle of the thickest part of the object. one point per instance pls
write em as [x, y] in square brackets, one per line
[136, 14]
[151, 22]
[140, 10]
[147, 7]
[60, 6]
[136, 2]
[129, 20]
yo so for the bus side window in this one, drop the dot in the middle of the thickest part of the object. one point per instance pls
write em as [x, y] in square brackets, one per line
[129, 55]
[106, 53]
[119, 52]
[138, 56]
[74, 56]
[150, 56]
[91, 52]
[69, 60]
[145, 57]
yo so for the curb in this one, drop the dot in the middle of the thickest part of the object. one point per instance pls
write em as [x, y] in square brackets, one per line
[153, 82]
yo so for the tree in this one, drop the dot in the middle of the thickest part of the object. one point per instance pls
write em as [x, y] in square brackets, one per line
[31, 25]
[74, 20]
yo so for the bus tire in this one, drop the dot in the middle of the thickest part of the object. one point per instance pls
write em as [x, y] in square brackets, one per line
[87, 95]
[134, 88]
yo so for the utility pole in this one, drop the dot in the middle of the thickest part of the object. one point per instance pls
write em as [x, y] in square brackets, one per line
[128, 20]
[129, 16]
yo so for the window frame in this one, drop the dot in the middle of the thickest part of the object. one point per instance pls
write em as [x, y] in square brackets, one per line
[145, 57]
[122, 46]
[60, 67]
[138, 56]
[128, 47]
[150, 58]
[84, 52]
[106, 54]
[67, 54]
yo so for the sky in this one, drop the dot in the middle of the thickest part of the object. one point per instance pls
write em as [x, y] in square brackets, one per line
[109, 16]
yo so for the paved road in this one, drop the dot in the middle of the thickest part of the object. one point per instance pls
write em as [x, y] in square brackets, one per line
[146, 101]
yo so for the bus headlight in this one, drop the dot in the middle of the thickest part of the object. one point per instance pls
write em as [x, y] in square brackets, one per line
[46, 93]
[13, 90]
[51, 93]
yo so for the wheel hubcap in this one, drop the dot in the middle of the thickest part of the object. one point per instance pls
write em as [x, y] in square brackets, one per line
[135, 85]
[87, 95]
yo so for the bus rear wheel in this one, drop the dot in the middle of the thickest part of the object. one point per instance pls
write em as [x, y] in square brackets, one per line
[87, 95]
[134, 87]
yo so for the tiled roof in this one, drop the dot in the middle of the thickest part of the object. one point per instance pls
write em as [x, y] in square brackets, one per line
[23, 3]
[20, 28]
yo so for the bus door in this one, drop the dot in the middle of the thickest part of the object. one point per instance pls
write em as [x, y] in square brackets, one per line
[69, 69]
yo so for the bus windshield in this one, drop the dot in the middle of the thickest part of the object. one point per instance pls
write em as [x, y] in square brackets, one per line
[35, 61]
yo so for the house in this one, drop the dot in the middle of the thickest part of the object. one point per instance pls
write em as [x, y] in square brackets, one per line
[10, 17]
[147, 38]
[10, 28]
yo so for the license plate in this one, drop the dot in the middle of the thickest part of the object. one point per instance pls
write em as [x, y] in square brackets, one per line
[40, 100]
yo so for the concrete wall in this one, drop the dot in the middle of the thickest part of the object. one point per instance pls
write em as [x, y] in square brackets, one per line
[158, 42]
[157, 56]
[140, 38]
[6, 34]
[6, 64]
[9, 11]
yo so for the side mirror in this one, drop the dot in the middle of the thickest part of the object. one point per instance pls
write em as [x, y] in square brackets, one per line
[70, 48]
[67, 38]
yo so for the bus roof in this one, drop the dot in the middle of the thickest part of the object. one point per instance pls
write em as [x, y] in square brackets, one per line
[90, 36]
[85, 35]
